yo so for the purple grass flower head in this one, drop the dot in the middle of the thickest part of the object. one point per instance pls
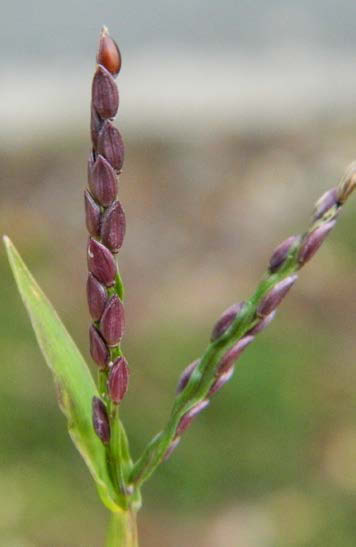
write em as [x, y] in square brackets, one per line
[226, 320]
[186, 374]
[228, 360]
[275, 296]
[313, 241]
[189, 416]
[112, 322]
[281, 253]
[118, 380]
[100, 420]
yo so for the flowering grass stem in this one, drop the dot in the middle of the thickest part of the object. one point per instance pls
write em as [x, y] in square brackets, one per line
[215, 366]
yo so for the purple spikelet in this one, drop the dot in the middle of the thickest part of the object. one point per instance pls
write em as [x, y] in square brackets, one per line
[186, 374]
[225, 320]
[281, 253]
[275, 296]
[220, 381]
[189, 416]
[234, 353]
[118, 380]
[313, 241]
[101, 420]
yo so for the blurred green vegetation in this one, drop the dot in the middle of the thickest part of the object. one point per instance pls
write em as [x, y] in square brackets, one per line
[272, 462]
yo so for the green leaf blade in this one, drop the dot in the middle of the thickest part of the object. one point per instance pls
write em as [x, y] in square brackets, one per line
[74, 382]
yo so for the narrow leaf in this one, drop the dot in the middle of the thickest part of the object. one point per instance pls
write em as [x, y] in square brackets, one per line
[75, 385]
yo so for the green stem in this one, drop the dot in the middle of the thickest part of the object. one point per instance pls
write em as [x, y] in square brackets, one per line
[123, 530]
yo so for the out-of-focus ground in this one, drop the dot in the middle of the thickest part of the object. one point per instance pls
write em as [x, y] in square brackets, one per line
[218, 171]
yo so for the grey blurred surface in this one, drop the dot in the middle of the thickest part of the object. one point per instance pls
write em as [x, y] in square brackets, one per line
[189, 68]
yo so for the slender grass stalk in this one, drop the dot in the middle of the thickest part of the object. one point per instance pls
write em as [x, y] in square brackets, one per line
[122, 530]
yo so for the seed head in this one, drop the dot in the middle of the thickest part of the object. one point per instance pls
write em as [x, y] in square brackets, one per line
[101, 420]
[108, 53]
[118, 380]
[101, 263]
[113, 227]
[233, 354]
[313, 241]
[98, 349]
[112, 321]
[226, 319]
[275, 296]
[96, 296]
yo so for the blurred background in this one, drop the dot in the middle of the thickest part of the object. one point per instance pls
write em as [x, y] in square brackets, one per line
[236, 115]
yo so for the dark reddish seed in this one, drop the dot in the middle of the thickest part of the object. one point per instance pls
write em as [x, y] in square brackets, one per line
[92, 214]
[97, 296]
[109, 54]
[102, 181]
[100, 420]
[98, 349]
[112, 321]
[113, 227]
[105, 96]
[111, 146]
[118, 380]
[101, 263]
